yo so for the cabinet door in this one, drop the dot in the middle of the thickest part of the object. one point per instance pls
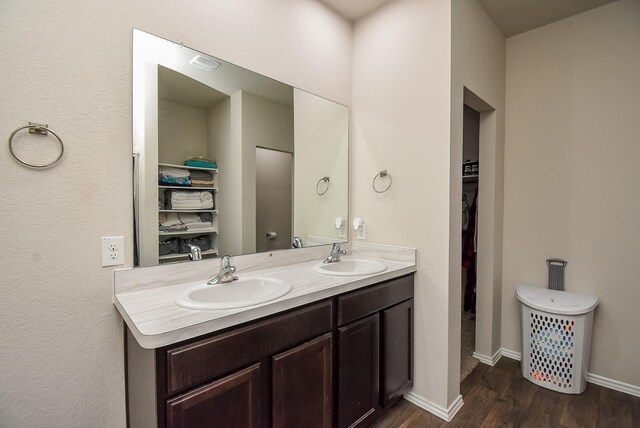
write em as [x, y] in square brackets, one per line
[302, 389]
[397, 351]
[232, 402]
[358, 379]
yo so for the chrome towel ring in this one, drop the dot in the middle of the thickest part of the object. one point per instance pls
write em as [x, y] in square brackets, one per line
[40, 129]
[382, 174]
[319, 186]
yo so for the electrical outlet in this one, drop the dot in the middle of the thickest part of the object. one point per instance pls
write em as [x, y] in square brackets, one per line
[112, 251]
[361, 233]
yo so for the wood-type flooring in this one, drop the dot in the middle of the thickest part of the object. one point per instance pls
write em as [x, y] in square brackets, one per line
[500, 397]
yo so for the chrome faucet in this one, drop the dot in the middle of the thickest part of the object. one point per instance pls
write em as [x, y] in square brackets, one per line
[297, 242]
[194, 252]
[226, 273]
[336, 253]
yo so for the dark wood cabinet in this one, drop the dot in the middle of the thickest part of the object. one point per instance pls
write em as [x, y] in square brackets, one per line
[231, 402]
[358, 383]
[338, 362]
[302, 385]
[397, 352]
[375, 353]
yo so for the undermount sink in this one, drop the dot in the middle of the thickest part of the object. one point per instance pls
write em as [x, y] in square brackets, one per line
[246, 291]
[347, 267]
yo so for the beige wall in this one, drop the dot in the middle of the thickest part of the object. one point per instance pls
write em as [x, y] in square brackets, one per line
[321, 150]
[274, 194]
[70, 66]
[572, 175]
[401, 122]
[267, 124]
[225, 145]
[478, 64]
[182, 132]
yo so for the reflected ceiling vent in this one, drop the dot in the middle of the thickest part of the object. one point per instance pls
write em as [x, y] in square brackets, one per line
[204, 62]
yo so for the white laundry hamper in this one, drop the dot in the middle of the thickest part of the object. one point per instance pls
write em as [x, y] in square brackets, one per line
[556, 337]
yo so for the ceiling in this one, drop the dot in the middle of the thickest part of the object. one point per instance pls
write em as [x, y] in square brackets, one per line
[353, 9]
[517, 16]
[511, 16]
[177, 87]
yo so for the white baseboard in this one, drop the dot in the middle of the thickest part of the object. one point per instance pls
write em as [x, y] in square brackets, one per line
[488, 360]
[616, 385]
[595, 379]
[510, 354]
[446, 414]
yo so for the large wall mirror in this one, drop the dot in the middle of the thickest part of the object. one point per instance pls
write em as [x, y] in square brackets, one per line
[230, 161]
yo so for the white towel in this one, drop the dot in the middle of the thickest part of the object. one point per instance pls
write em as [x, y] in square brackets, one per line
[199, 225]
[189, 218]
[172, 220]
[191, 200]
[167, 171]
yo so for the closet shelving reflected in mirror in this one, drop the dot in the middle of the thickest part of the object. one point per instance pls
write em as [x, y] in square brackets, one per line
[166, 209]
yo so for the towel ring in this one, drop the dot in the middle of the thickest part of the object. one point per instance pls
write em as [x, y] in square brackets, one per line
[325, 180]
[382, 174]
[40, 129]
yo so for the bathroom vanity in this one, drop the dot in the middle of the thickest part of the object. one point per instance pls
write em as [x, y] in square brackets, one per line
[336, 351]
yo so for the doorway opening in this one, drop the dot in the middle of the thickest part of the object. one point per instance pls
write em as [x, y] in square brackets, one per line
[274, 200]
[481, 243]
[470, 188]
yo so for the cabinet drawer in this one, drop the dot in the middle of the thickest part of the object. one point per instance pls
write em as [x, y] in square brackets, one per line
[373, 299]
[195, 363]
[233, 401]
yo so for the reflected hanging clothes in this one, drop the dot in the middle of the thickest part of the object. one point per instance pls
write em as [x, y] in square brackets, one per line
[465, 212]
[469, 259]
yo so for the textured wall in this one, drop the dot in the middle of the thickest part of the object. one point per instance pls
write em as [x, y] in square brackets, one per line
[69, 64]
[321, 149]
[182, 132]
[478, 64]
[266, 124]
[572, 176]
[400, 122]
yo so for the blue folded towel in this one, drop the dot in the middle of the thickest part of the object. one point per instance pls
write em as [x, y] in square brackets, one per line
[201, 164]
[175, 181]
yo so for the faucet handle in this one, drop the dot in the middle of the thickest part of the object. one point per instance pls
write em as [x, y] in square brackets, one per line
[335, 249]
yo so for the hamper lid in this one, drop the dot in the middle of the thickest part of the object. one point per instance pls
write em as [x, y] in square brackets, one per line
[556, 302]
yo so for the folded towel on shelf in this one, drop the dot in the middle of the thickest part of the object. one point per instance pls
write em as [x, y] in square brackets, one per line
[171, 181]
[191, 200]
[201, 175]
[189, 217]
[192, 205]
[202, 158]
[188, 200]
[170, 172]
[201, 178]
[170, 219]
[173, 228]
[205, 216]
[201, 164]
[193, 221]
[202, 183]
[199, 225]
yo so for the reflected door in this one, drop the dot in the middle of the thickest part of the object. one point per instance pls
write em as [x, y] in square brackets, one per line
[273, 199]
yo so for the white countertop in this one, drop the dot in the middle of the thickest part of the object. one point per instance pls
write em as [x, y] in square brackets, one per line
[145, 296]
